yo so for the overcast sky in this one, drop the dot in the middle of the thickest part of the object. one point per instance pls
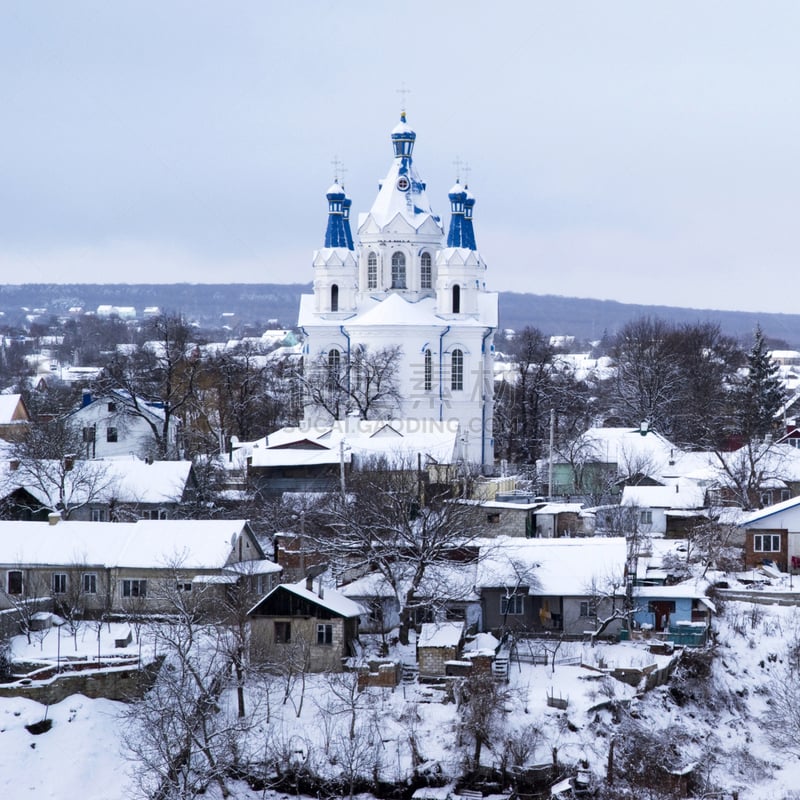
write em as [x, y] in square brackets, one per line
[644, 152]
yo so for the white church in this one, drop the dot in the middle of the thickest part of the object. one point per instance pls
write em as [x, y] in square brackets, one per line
[402, 283]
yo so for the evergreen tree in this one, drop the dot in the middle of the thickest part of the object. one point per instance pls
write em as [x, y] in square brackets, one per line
[761, 394]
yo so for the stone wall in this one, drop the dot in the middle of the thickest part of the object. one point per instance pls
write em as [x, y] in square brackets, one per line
[124, 684]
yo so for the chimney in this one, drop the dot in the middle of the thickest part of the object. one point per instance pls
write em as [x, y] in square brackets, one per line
[13, 464]
[53, 518]
[309, 583]
[69, 462]
[86, 398]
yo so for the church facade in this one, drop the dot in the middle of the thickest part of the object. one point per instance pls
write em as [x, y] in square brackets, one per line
[402, 312]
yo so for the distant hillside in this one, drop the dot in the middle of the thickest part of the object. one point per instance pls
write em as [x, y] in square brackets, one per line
[257, 303]
[589, 319]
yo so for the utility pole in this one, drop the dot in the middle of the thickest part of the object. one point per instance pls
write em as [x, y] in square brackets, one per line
[550, 458]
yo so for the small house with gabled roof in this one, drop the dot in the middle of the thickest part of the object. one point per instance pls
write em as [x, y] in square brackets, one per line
[772, 534]
[312, 630]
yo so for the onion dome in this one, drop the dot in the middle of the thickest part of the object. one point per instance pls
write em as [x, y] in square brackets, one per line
[461, 233]
[338, 231]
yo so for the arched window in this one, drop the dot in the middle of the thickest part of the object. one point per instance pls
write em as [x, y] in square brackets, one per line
[398, 271]
[425, 271]
[457, 371]
[334, 297]
[456, 299]
[334, 364]
[428, 370]
[372, 271]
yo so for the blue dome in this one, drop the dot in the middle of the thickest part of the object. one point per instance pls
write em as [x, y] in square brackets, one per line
[338, 232]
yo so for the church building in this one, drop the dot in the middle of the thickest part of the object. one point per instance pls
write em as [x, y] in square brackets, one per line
[408, 300]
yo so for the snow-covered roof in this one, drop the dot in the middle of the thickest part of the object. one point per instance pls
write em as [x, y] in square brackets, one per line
[688, 589]
[650, 454]
[192, 544]
[682, 495]
[12, 409]
[126, 480]
[335, 602]
[399, 441]
[776, 512]
[262, 566]
[440, 634]
[556, 567]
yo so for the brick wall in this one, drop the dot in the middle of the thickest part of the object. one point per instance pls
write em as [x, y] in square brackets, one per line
[753, 557]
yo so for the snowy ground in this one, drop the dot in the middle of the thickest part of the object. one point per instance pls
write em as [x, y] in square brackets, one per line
[723, 720]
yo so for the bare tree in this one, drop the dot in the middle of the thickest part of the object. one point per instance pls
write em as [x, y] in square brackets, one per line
[362, 382]
[178, 734]
[161, 373]
[383, 525]
[57, 480]
[481, 701]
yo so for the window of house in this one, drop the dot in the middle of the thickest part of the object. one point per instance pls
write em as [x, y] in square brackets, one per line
[428, 370]
[375, 611]
[134, 587]
[59, 583]
[324, 634]
[785, 495]
[457, 371]
[588, 608]
[456, 299]
[112, 407]
[493, 518]
[398, 271]
[89, 583]
[98, 515]
[372, 271]
[283, 632]
[512, 605]
[455, 613]
[184, 586]
[14, 581]
[334, 297]
[646, 517]
[425, 271]
[263, 584]
[111, 434]
[767, 543]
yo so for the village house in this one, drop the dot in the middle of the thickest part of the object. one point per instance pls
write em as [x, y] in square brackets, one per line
[117, 490]
[772, 535]
[13, 416]
[551, 586]
[124, 568]
[515, 514]
[604, 459]
[111, 427]
[309, 629]
[315, 458]
[653, 505]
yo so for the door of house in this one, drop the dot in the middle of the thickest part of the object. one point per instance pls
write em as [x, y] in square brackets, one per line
[661, 610]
